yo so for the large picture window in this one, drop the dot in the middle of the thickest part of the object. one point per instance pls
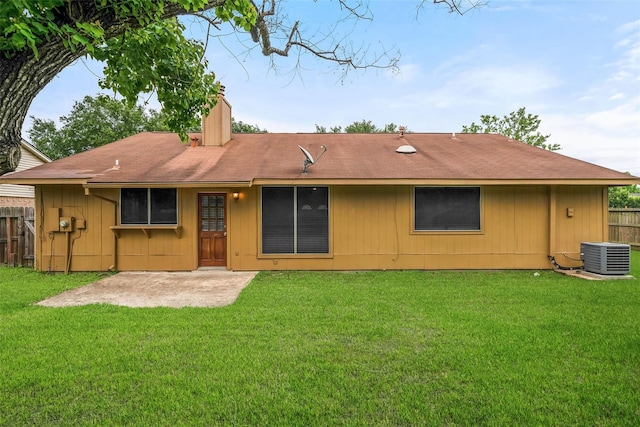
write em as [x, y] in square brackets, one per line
[447, 208]
[146, 206]
[295, 220]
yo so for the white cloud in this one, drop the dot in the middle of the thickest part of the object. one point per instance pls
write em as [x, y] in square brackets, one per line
[623, 119]
[499, 85]
[406, 73]
[590, 138]
[618, 95]
[629, 27]
[629, 64]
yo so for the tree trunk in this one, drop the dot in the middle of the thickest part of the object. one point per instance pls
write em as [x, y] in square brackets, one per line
[21, 78]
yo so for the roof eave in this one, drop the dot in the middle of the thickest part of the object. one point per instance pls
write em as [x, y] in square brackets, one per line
[43, 181]
[209, 184]
[446, 181]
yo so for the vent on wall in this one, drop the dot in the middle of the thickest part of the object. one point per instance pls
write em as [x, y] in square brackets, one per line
[605, 258]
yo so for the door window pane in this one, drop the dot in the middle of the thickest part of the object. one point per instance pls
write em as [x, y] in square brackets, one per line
[212, 211]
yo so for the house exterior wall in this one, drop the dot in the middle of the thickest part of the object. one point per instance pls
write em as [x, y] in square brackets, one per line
[371, 227]
[9, 192]
[589, 221]
[93, 248]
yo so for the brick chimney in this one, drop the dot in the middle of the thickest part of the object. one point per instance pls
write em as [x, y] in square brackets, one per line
[216, 127]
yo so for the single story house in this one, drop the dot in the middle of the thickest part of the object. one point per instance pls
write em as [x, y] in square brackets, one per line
[371, 201]
[21, 195]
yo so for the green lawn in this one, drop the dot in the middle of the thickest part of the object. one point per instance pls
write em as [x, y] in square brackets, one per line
[299, 348]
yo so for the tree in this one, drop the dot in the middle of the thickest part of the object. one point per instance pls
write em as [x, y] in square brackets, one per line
[323, 129]
[241, 127]
[93, 122]
[363, 126]
[518, 125]
[144, 50]
[624, 197]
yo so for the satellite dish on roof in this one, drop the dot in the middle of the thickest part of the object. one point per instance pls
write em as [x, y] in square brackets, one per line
[309, 158]
[308, 155]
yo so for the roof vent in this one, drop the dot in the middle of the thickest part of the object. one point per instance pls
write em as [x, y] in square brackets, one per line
[406, 149]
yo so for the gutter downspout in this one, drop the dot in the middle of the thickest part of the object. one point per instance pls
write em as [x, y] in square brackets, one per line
[87, 192]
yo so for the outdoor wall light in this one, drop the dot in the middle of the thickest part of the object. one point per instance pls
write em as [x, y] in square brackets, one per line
[236, 195]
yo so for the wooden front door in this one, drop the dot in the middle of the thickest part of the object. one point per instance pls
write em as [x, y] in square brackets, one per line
[212, 219]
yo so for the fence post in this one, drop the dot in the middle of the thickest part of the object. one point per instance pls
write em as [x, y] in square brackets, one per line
[10, 254]
[21, 248]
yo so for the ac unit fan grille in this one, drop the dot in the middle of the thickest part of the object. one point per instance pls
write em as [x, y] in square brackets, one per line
[606, 258]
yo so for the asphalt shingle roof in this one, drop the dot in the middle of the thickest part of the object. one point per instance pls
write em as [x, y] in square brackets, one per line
[152, 157]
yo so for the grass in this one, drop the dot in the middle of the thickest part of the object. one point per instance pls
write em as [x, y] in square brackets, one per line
[308, 348]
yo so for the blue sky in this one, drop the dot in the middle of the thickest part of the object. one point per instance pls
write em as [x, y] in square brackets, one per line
[576, 64]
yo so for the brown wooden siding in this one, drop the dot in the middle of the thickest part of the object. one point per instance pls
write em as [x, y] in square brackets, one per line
[371, 227]
[588, 223]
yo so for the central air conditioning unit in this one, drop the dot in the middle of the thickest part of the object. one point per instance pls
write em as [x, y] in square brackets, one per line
[605, 258]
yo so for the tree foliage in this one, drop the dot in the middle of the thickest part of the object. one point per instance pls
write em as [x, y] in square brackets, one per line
[363, 126]
[624, 197]
[518, 125]
[93, 122]
[241, 127]
[28, 24]
[161, 60]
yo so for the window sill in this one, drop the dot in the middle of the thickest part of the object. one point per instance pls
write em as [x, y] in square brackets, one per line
[146, 229]
[446, 232]
[295, 256]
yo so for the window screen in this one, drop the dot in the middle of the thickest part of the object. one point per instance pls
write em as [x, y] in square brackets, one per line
[447, 208]
[148, 206]
[134, 206]
[295, 220]
[277, 220]
[163, 206]
[313, 220]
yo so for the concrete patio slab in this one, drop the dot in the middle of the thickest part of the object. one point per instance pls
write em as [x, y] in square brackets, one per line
[200, 288]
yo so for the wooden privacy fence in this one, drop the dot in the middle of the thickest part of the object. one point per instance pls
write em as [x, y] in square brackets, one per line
[17, 236]
[624, 226]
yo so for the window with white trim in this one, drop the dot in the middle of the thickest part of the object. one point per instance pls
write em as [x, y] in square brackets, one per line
[447, 209]
[148, 206]
[295, 220]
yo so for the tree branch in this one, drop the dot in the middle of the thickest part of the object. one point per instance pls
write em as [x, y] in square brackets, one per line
[455, 6]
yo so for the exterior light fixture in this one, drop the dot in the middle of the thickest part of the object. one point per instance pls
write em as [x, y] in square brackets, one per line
[236, 195]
